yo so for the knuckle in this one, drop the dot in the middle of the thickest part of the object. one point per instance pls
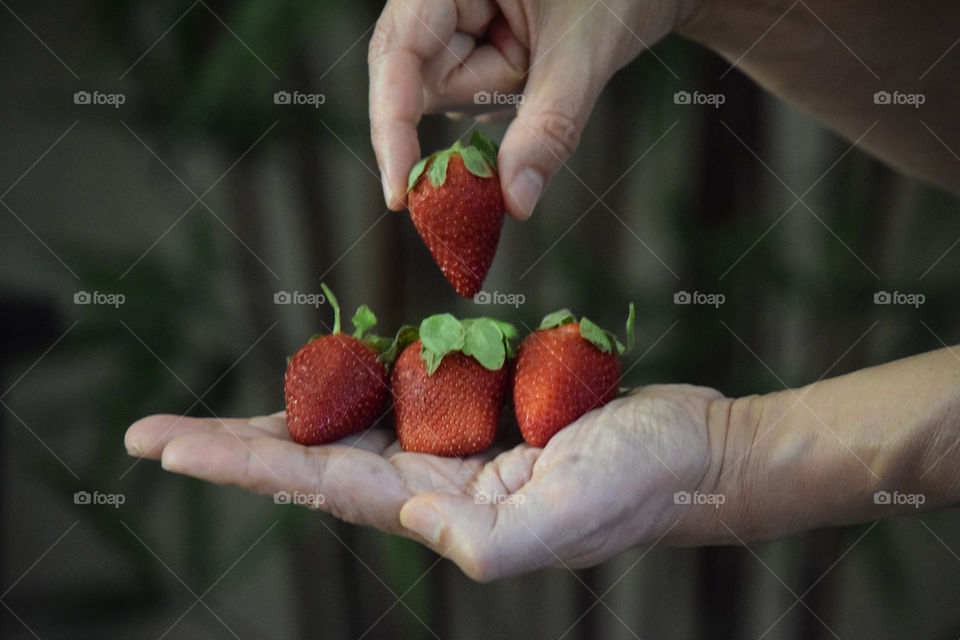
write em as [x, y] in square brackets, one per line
[380, 41]
[561, 131]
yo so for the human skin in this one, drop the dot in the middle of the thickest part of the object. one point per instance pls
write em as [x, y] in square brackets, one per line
[783, 462]
[828, 57]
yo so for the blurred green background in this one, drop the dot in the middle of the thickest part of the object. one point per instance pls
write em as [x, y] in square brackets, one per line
[199, 198]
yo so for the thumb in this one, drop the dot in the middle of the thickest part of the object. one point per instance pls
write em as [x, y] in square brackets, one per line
[487, 541]
[560, 92]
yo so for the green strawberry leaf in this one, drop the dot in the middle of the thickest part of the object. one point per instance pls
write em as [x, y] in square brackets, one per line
[485, 146]
[487, 340]
[406, 335]
[484, 340]
[417, 171]
[363, 320]
[332, 299]
[508, 330]
[557, 319]
[438, 169]
[475, 162]
[440, 334]
[601, 339]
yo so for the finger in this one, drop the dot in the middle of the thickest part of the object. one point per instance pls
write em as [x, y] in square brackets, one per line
[474, 82]
[471, 79]
[356, 485]
[407, 33]
[550, 120]
[486, 541]
[147, 437]
[481, 532]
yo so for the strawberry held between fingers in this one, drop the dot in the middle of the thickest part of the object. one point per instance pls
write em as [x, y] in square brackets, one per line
[563, 370]
[449, 385]
[457, 207]
[336, 384]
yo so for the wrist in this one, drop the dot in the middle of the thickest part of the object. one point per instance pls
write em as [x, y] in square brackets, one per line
[874, 443]
[722, 500]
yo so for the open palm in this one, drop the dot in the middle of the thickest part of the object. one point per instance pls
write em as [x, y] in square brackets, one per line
[601, 485]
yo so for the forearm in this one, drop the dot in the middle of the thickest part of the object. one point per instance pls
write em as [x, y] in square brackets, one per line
[817, 456]
[830, 58]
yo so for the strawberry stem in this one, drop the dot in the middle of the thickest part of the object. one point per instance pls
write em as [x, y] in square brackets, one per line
[332, 299]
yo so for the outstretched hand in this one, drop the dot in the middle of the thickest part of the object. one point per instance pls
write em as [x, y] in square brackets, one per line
[601, 485]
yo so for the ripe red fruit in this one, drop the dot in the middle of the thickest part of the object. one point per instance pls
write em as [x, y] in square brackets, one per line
[563, 370]
[336, 384]
[457, 207]
[449, 386]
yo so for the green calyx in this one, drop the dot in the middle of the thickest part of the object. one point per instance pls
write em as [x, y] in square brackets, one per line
[479, 157]
[487, 340]
[600, 338]
[364, 320]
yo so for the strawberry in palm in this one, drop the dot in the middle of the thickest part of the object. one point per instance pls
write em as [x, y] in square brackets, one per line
[449, 385]
[563, 370]
[457, 207]
[336, 384]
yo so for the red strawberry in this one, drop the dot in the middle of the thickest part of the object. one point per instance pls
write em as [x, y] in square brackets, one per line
[336, 384]
[458, 210]
[564, 369]
[449, 386]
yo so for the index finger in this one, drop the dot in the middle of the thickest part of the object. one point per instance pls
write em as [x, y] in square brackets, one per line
[407, 33]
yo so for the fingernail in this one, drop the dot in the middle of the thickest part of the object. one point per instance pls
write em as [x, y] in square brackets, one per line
[135, 449]
[525, 190]
[423, 520]
[168, 461]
